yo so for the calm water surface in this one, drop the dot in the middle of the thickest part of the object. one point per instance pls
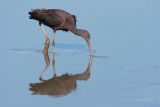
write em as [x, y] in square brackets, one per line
[125, 71]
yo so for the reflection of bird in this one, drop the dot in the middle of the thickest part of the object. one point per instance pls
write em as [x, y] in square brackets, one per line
[59, 20]
[59, 86]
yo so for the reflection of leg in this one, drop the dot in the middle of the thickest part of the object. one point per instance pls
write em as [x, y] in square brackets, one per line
[53, 41]
[47, 60]
[53, 64]
[47, 41]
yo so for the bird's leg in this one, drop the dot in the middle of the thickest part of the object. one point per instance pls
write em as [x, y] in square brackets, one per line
[47, 41]
[53, 41]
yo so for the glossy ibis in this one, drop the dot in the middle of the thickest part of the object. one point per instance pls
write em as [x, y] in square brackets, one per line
[59, 20]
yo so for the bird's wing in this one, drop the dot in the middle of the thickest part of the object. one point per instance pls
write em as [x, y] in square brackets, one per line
[51, 18]
[47, 17]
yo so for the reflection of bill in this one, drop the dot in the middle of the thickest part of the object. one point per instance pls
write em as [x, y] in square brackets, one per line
[59, 86]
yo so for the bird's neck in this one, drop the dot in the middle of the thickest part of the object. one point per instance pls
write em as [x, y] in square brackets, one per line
[76, 31]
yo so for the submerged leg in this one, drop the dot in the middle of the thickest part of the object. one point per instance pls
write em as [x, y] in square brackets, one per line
[47, 41]
[53, 41]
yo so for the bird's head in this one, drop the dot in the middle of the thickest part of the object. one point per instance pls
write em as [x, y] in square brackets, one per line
[86, 35]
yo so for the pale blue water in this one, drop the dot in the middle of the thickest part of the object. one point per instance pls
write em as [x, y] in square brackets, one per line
[125, 38]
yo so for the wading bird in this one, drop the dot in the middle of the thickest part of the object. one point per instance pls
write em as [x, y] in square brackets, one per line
[59, 20]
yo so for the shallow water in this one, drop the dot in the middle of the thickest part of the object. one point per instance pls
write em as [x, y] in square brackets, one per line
[125, 70]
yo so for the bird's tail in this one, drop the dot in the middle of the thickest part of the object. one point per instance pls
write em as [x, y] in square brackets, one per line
[34, 14]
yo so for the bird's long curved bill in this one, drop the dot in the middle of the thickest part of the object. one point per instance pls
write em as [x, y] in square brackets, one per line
[90, 47]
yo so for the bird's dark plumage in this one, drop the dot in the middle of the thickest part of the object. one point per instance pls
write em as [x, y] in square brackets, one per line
[53, 18]
[59, 20]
